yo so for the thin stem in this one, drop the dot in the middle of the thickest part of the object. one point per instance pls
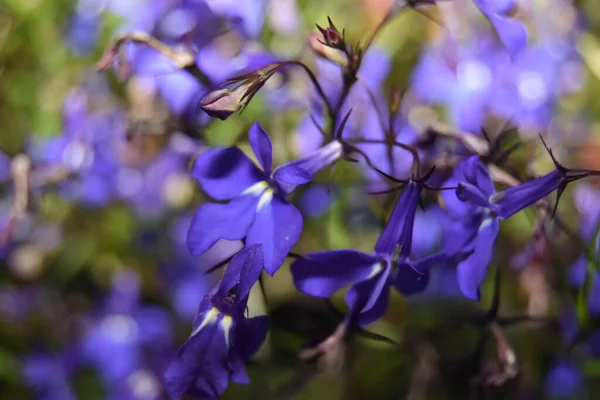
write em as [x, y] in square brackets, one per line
[314, 81]
[183, 60]
[411, 150]
[20, 169]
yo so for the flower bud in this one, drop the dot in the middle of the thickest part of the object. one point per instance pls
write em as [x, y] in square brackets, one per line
[327, 52]
[332, 37]
[224, 102]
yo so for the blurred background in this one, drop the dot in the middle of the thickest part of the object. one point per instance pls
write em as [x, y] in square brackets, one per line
[97, 286]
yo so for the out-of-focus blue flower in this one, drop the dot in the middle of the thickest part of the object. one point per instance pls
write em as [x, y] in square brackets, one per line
[191, 24]
[247, 16]
[512, 32]
[475, 78]
[4, 167]
[49, 375]
[316, 200]
[321, 274]
[161, 184]
[460, 77]
[564, 380]
[257, 210]
[125, 337]
[223, 339]
[186, 274]
[86, 150]
[84, 27]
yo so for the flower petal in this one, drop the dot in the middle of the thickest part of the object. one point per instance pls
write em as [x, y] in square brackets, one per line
[368, 299]
[477, 174]
[413, 277]
[516, 198]
[225, 173]
[471, 194]
[243, 270]
[472, 271]
[277, 226]
[398, 231]
[262, 147]
[321, 274]
[249, 336]
[200, 367]
[512, 33]
[291, 174]
[307, 167]
[212, 222]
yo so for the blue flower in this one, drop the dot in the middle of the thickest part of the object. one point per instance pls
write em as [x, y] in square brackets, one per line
[49, 375]
[512, 32]
[223, 339]
[478, 209]
[4, 167]
[320, 274]
[564, 380]
[86, 149]
[257, 210]
[124, 335]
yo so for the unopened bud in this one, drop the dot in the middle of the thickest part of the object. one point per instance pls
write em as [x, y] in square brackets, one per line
[331, 36]
[224, 102]
[327, 52]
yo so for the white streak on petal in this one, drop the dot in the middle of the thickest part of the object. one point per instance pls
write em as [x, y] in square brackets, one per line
[209, 318]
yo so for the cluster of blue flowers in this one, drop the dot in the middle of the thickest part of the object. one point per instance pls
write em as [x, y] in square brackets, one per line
[508, 62]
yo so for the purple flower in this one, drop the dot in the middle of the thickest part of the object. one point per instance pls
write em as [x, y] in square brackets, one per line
[49, 375]
[223, 339]
[512, 33]
[479, 208]
[320, 274]
[474, 223]
[4, 167]
[84, 27]
[124, 336]
[564, 380]
[86, 149]
[188, 281]
[257, 210]
[163, 183]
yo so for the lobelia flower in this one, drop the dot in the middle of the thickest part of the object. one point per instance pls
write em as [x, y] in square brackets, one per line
[186, 275]
[512, 32]
[564, 380]
[479, 209]
[371, 275]
[161, 184]
[49, 375]
[83, 30]
[223, 339]
[257, 210]
[86, 150]
[459, 76]
[125, 337]
[4, 167]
